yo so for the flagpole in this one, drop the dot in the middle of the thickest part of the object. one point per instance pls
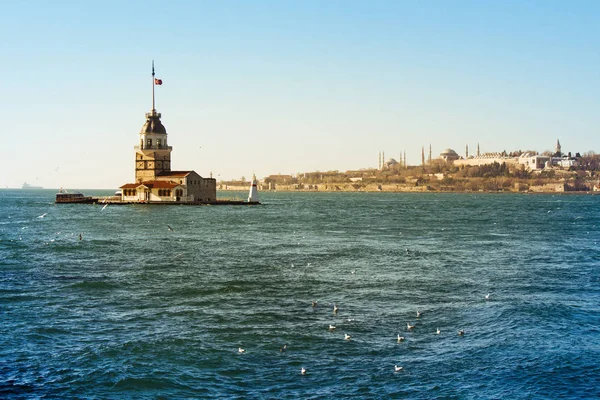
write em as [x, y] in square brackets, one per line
[153, 109]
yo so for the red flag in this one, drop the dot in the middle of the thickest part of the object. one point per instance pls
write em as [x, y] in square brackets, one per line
[157, 81]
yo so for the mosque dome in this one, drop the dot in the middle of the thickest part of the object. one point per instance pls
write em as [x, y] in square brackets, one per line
[449, 154]
[390, 163]
[153, 124]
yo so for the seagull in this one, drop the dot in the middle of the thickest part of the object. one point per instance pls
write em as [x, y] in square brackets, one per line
[438, 331]
[400, 338]
[353, 272]
[331, 328]
[303, 371]
[418, 313]
[106, 205]
[335, 308]
[43, 215]
[461, 332]
[80, 236]
[314, 302]
[240, 350]
[347, 337]
[284, 348]
[169, 226]
[487, 296]
[397, 368]
[409, 326]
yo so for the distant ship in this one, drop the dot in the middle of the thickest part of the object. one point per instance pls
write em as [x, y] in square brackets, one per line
[28, 186]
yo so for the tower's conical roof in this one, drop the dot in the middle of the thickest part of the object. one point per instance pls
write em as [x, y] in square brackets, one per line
[153, 124]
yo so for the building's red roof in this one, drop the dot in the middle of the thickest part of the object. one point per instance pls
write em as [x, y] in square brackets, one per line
[151, 185]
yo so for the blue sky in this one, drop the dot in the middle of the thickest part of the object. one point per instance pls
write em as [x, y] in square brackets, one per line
[290, 86]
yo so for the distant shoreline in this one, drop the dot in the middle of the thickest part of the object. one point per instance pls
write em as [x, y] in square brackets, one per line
[581, 192]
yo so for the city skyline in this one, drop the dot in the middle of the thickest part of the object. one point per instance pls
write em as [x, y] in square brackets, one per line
[283, 87]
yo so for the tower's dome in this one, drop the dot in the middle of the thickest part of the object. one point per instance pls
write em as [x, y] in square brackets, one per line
[153, 124]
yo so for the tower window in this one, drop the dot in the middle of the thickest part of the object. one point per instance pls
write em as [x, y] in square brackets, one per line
[159, 143]
[148, 142]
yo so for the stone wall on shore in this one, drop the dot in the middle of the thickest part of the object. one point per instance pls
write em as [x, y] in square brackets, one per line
[559, 186]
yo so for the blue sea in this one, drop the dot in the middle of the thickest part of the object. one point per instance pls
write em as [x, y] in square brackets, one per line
[136, 310]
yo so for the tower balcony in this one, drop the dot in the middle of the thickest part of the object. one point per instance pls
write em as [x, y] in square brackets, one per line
[154, 147]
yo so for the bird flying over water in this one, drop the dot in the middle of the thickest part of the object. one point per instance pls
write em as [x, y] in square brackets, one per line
[284, 348]
[487, 296]
[303, 371]
[335, 308]
[418, 313]
[347, 337]
[240, 350]
[43, 215]
[169, 226]
[314, 302]
[397, 368]
[331, 327]
[438, 331]
[106, 205]
[461, 332]
[400, 338]
[409, 326]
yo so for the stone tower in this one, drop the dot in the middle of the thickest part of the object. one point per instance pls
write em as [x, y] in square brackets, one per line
[153, 155]
[558, 148]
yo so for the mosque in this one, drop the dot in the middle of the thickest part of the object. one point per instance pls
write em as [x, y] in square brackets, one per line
[154, 180]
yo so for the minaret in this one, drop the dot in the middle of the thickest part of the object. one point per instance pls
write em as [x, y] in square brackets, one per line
[153, 155]
[477, 149]
[466, 151]
[429, 153]
[405, 159]
[379, 160]
[558, 149]
[423, 156]
[253, 194]
[382, 159]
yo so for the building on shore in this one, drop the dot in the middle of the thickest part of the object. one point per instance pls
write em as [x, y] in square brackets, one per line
[533, 162]
[154, 179]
